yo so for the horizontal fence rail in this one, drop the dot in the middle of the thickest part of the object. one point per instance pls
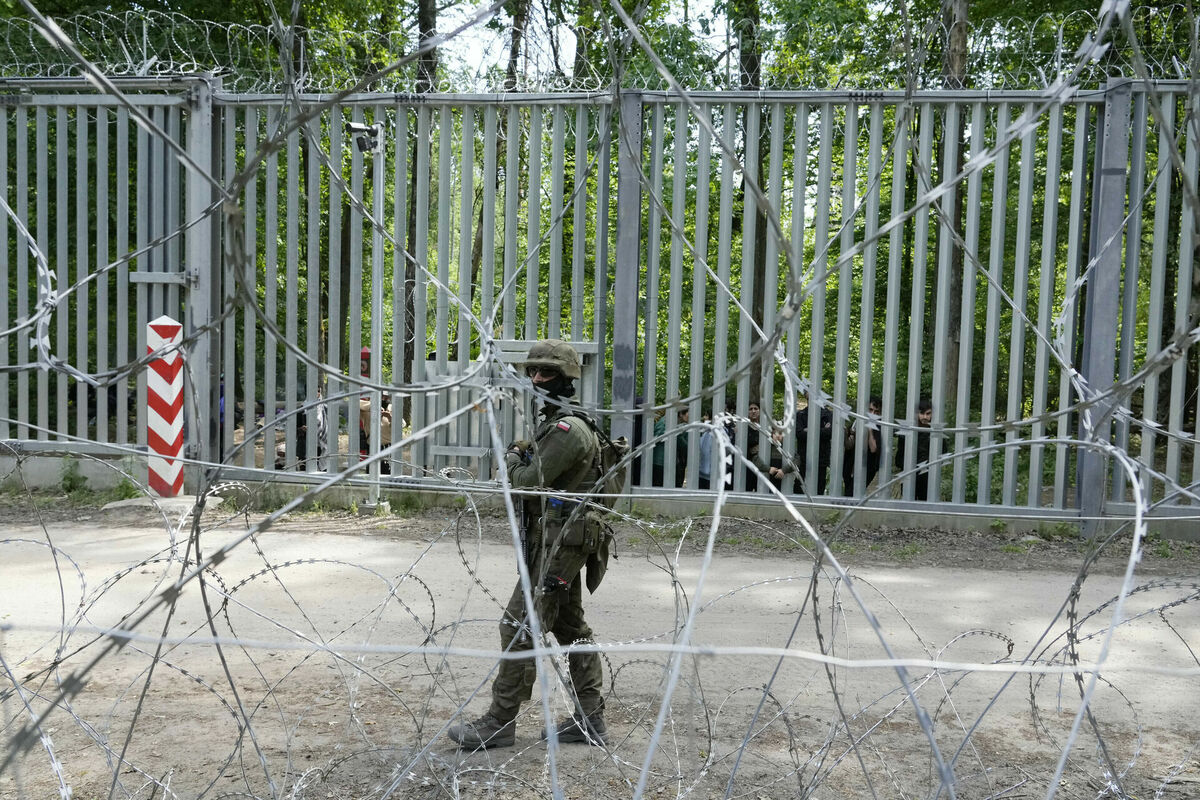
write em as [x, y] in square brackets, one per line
[360, 271]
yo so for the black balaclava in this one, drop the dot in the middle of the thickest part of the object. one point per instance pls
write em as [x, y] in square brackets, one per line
[560, 387]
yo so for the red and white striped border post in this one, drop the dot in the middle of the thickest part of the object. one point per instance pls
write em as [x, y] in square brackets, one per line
[164, 398]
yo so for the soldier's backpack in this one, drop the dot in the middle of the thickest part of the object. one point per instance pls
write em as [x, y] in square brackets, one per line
[611, 464]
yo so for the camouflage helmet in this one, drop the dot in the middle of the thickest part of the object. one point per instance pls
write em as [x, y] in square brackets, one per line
[554, 353]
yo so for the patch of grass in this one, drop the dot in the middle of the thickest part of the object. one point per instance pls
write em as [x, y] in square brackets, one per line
[125, 490]
[910, 550]
[408, 502]
[998, 526]
[1058, 531]
[1016, 547]
[71, 477]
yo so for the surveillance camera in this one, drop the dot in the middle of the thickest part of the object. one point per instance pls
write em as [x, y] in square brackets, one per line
[368, 138]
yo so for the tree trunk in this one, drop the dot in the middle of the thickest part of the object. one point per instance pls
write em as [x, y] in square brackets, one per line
[520, 18]
[954, 76]
[747, 19]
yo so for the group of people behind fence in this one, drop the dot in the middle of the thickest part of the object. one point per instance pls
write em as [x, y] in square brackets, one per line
[862, 443]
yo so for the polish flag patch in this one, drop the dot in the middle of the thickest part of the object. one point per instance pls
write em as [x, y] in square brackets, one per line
[564, 426]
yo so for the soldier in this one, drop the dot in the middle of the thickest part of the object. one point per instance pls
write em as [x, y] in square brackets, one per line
[563, 457]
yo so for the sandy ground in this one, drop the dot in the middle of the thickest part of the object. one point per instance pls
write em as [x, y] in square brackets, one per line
[325, 658]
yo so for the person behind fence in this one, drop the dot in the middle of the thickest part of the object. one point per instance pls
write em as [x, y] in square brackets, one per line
[754, 414]
[364, 414]
[924, 419]
[871, 447]
[778, 466]
[824, 446]
[681, 447]
[558, 541]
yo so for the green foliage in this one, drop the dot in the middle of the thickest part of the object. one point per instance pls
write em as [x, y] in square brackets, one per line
[125, 490]
[72, 479]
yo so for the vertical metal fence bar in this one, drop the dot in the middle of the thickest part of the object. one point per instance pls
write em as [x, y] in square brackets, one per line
[445, 236]
[628, 261]
[512, 199]
[6, 170]
[250, 229]
[487, 289]
[271, 293]
[144, 296]
[799, 210]
[291, 326]
[228, 387]
[967, 320]
[83, 158]
[400, 260]
[201, 259]
[822, 244]
[122, 288]
[579, 227]
[465, 238]
[866, 324]
[722, 289]
[104, 317]
[440, 399]
[681, 135]
[1045, 300]
[916, 316]
[533, 229]
[337, 459]
[354, 342]
[774, 189]
[841, 370]
[1020, 297]
[60, 266]
[43, 244]
[421, 254]
[1187, 243]
[172, 184]
[151, 210]
[22, 247]
[699, 317]
[1107, 251]
[650, 314]
[1133, 250]
[947, 224]
[5, 277]
[1066, 338]
[991, 336]
[557, 212]
[1158, 271]
[312, 282]
[748, 270]
[891, 343]
[375, 336]
[602, 319]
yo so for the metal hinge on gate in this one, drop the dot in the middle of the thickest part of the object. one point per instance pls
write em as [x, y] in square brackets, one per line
[185, 278]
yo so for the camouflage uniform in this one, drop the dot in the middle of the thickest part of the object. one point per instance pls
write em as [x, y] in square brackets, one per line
[563, 456]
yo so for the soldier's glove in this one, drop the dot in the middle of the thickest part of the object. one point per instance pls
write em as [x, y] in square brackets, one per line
[553, 583]
[521, 449]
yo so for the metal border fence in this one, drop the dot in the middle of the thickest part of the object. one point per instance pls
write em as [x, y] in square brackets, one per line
[1003, 253]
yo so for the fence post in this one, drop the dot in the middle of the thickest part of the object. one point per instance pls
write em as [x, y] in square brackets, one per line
[628, 262]
[1106, 248]
[200, 243]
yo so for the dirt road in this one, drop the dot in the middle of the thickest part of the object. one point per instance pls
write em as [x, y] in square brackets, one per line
[325, 657]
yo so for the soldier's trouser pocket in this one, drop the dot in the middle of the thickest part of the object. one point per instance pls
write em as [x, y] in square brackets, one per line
[583, 531]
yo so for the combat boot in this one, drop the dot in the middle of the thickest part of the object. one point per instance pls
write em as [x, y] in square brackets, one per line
[483, 733]
[581, 728]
